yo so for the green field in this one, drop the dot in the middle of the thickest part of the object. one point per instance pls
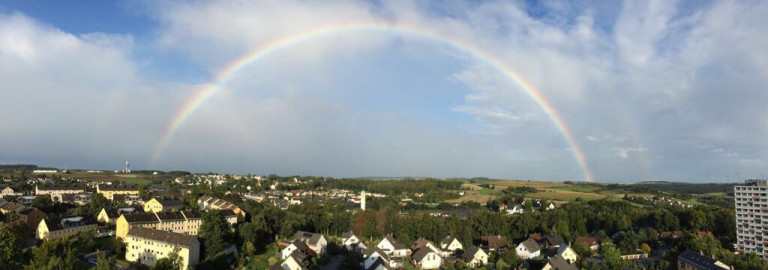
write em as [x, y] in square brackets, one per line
[140, 181]
[487, 191]
[579, 188]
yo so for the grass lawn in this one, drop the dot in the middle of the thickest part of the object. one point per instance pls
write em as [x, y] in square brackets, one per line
[140, 181]
[579, 188]
[487, 191]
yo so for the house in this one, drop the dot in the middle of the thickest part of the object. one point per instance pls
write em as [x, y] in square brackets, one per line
[673, 235]
[494, 242]
[549, 206]
[314, 241]
[10, 191]
[551, 241]
[692, 260]
[589, 241]
[450, 243]
[427, 258]
[516, 209]
[129, 199]
[11, 207]
[295, 261]
[374, 255]
[474, 256]
[559, 263]
[31, 216]
[635, 255]
[110, 215]
[350, 241]
[54, 228]
[378, 264]
[389, 245]
[567, 253]
[57, 191]
[146, 246]
[421, 243]
[295, 245]
[109, 191]
[126, 221]
[528, 249]
[211, 203]
[230, 216]
[163, 205]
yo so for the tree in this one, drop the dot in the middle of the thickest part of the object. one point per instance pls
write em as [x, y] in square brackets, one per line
[55, 254]
[10, 250]
[646, 248]
[43, 203]
[611, 256]
[105, 263]
[97, 203]
[172, 262]
[215, 233]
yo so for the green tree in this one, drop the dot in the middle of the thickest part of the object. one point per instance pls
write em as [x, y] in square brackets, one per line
[10, 250]
[172, 262]
[611, 256]
[97, 203]
[215, 233]
[53, 255]
[105, 263]
[43, 203]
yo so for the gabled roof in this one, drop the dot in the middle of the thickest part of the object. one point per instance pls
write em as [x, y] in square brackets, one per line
[348, 234]
[447, 240]
[162, 236]
[591, 241]
[227, 212]
[170, 202]
[531, 245]
[494, 241]
[702, 262]
[141, 217]
[128, 187]
[470, 253]
[553, 240]
[61, 187]
[310, 238]
[193, 214]
[169, 216]
[55, 223]
[420, 243]
[422, 253]
[300, 246]
[559, 263]
[377, 263]
[370, 251]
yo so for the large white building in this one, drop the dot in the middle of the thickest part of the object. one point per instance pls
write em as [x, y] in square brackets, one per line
[751, 201]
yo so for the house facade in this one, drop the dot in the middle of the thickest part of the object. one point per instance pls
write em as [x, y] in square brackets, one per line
[163, 205]
[109, 191]
[474, 256]
[54, 228]
[146, 246]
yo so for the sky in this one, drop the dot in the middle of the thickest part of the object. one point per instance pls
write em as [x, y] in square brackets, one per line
[604, 91]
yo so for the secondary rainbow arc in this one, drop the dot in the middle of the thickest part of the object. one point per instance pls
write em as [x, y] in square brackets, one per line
[208, 91]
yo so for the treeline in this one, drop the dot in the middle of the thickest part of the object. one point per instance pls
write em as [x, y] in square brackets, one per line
[392, 187]
[681, 188]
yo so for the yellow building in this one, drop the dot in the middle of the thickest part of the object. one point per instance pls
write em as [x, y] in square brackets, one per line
[183, 222]
[211, 203]
[146, 246]
[110, 215]
[58, 191]
[109, 191]
[54, 228]
[163, 205]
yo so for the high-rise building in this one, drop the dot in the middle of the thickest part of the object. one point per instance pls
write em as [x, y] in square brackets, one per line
[751, 201]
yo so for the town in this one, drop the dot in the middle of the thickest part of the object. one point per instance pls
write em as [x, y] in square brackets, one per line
[178, 220]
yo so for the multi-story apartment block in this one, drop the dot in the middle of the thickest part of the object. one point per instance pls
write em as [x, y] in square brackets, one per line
[56, 192]
[184, 222]
[751, 201]
[109, 191]
[53, 228]
[146, 246]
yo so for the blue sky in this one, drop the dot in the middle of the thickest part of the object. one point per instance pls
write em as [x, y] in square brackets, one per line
[650, 90]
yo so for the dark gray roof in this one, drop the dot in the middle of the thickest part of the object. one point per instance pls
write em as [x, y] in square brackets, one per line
[162, 236]
[531, 245]
[167, 216]
[131, 187]
[170, 202]
[300, 246]
[348, 234]
[702, 262]
[55, 223]
[469, 254]
[377, 263]
[559, 263]
[194, 214]
[370, 251]
[307, 237]
[140, 217]
[62, 187]
[447, 240]
[227, 212]
[421, 253]
[553, 240]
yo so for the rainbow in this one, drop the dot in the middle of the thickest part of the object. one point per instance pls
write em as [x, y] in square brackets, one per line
[208, 91]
